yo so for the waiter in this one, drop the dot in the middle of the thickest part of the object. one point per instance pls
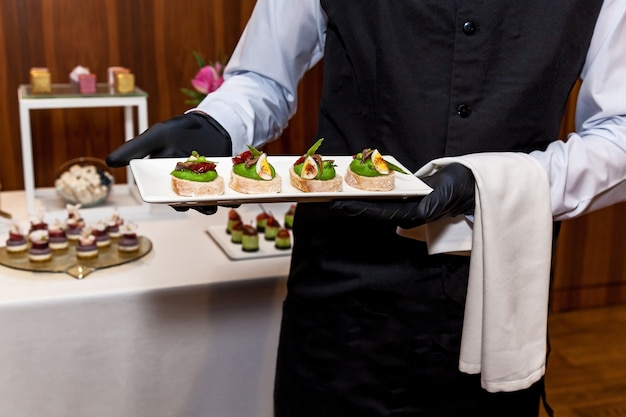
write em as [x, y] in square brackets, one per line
[372, 322]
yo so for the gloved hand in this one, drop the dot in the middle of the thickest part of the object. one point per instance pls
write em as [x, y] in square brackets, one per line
[173, 138]
[452, 195]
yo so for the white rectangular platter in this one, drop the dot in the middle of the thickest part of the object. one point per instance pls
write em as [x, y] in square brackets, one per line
[152, 177]
[234, 251]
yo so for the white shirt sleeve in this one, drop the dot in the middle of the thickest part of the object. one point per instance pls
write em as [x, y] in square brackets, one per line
[588, 171]
[282, 40]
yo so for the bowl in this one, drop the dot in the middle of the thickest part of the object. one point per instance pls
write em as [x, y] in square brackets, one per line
[86, 181]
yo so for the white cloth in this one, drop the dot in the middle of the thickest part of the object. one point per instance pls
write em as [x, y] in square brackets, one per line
[504, 330]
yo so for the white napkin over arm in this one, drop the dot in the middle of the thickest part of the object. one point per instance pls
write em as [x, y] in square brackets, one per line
[504, 331]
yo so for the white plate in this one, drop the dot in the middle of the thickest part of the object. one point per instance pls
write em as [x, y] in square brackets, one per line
[153, 181]
[234, 251]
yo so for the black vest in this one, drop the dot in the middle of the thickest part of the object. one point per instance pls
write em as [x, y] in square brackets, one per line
[421, 79]
[371, 325]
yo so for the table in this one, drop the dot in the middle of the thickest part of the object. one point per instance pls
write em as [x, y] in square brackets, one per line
[66, 96]
[183, 331]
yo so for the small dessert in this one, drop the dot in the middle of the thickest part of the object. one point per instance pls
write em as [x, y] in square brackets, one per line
[114, 224]
[39, 250]
[261, 221]
[289, 215]
[73, 228]
[129, 242]
[86, 247]
[250, 239]
[74, 223]
[271, 228]
[371, 172]
[102, 236]
[253, 174]
[236, 234]
[311, 173]
[233, 218]
[16, 242]
[196, 177]
[57, 237]
[282, 239]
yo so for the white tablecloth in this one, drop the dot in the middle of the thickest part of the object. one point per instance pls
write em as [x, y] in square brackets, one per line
[184, 331]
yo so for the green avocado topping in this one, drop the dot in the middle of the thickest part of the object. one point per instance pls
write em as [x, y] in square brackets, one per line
[192, 176]
[240, 169]
[366, 167]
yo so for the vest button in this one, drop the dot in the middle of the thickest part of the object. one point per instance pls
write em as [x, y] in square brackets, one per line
[464, 111]
[469, 27]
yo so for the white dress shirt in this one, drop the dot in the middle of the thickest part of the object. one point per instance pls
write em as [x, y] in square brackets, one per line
[284, 38]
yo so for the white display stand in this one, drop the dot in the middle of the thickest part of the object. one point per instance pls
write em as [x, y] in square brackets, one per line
[65, 96]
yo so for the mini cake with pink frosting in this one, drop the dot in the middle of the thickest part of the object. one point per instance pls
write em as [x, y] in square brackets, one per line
[101, 234]
[86, 246]
[129, 242]
[57, 237]
[39, 250]
[114, 224]
[74, 223]
[16, 242]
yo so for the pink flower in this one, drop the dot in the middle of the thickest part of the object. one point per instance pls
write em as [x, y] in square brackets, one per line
[208, 79]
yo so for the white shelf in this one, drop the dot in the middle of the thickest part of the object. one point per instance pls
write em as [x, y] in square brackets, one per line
[63, 96]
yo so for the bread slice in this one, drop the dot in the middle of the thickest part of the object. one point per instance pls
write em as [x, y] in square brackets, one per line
[252, 186]
[380, 183]
[314, 186]
[188, 188]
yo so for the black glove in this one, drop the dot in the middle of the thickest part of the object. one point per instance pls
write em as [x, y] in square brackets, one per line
[452, 195]
[174, 138]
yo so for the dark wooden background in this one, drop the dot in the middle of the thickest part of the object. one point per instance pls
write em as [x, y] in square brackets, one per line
[155, 39]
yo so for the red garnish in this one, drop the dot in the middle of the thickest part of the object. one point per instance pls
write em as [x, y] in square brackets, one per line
[202, 167]
[249, 230]
[233, 215]
[195, 167]
[283, 233]
[272, 222]
[263, 216]
[242, 157]
[299, 161]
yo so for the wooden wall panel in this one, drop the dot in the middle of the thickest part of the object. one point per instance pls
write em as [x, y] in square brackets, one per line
[155, 38]
[590, 266]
